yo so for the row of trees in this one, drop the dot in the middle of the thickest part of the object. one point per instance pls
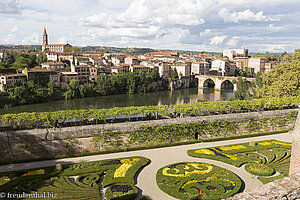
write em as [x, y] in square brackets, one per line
[18, 60]
[130, 83]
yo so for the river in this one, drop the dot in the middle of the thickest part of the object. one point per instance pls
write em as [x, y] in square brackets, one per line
[181, 96]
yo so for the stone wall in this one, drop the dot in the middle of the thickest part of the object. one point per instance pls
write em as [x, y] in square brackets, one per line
[295, 157]
[43, 143]
[287, 188]
[91, 130]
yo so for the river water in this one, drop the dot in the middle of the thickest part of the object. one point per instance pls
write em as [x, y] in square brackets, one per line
[181, 96]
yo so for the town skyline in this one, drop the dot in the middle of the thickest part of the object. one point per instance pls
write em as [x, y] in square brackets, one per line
[186, 25]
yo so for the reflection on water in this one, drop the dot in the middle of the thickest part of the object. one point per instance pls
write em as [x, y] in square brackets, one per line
[182, 96]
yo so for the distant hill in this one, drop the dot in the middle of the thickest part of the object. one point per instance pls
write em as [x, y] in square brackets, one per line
[21, 47]
[103, 49]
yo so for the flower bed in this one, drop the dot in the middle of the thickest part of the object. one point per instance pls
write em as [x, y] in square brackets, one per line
[121, 192]
[117, 174]
[264, 158]
[197, 181]
[259, 169]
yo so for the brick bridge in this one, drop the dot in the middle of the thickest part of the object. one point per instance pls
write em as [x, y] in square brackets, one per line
[219, 81]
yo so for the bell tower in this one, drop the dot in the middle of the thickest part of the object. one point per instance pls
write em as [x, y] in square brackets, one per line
[45, 40]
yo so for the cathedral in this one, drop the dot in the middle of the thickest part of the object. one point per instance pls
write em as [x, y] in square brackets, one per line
[59, 48]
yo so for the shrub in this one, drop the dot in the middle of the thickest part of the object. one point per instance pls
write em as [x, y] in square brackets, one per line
[252, 144]
[59, 167]
[121, 192]
[259, 169]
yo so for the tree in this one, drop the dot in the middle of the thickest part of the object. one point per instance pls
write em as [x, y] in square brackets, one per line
[20, 93]
[104, 85]
[283, 80]
[41, 58]
[72, 90]
[152, 76]
[51, 88]
[174, 74]
[8, 59]
[242, 91]
[21, 63]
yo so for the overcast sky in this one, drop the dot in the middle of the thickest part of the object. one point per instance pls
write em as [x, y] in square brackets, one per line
[201, 25]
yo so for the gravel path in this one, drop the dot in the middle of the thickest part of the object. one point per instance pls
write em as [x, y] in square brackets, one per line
[160, 158]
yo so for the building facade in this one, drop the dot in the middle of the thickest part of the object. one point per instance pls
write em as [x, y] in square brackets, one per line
[59, 48]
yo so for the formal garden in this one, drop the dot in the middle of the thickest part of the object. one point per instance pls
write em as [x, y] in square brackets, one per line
[268, 160]
[197, 180]
[110, 179]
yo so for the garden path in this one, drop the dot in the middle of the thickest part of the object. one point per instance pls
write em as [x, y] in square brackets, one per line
[159, 158]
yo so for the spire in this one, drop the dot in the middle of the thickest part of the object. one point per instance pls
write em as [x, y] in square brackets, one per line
[45, 33]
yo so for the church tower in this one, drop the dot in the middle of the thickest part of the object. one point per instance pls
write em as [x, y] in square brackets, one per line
[45, 40]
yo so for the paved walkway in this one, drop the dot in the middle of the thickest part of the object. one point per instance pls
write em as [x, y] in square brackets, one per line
[160, 158]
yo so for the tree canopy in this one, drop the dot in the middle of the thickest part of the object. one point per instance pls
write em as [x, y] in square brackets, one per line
[284, 79]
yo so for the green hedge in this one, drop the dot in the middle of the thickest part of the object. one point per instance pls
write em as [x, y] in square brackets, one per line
[200, 108]
[126, 192]
[197, 181]
[259, 169]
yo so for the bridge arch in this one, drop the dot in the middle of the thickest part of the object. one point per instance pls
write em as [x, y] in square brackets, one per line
[208, 83]
[227, 84]
[219, 81]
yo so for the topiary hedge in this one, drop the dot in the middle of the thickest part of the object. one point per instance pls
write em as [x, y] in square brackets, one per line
[121, 192]
[197, 181]
[259, 169]
[268, 155]
[116, 174]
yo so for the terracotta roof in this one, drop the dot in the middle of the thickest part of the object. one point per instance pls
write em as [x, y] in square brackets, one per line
[123, 64]
[45, 33]
[165, 53]
[38, 70]
[14, 75]
[69, 73]
[139, 66]
[56, 45]
[82, 66]
[53, 63]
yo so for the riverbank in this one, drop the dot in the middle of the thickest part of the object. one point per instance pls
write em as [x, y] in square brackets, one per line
[167, 97]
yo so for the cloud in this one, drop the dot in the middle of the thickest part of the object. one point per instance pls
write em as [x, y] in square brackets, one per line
[246, 15]
[34, 38]
[272, 48]
[10, 7]
[233, 42]
[14, 29]
[217, 40]
[274, 28]
[9, 39]
[62, 40]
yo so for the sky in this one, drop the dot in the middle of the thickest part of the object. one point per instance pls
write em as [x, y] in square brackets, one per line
[199, 25]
